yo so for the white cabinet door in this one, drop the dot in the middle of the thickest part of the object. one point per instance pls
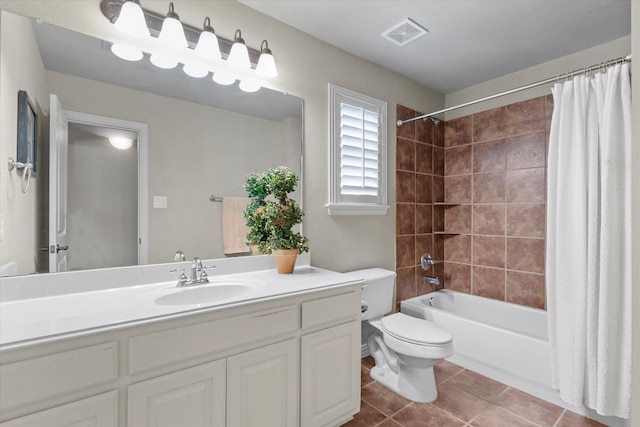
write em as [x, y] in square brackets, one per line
[193, 397]
[262, 387]
[330, 375]
[96, 411]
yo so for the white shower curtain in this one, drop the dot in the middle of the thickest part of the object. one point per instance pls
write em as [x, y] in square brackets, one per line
[588, 256]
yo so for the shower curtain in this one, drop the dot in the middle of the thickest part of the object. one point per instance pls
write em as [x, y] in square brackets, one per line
[588, 256]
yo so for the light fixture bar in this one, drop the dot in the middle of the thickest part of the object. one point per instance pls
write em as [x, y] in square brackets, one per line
[111, 10]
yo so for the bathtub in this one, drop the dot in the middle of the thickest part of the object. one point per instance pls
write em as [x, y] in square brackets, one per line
[503, 341]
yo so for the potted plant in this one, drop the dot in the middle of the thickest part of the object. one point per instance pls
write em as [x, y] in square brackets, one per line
[256, 188]
[279, 215]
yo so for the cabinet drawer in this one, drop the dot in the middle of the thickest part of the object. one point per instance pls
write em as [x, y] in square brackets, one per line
[98, 411]
[331, 309]
[158, 349]
[44, 377]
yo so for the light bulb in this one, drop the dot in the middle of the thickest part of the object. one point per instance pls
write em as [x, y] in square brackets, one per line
[171, 36]
[207, 49]
[131, 20]
[249, 85]
[239, 55]
[195, 70]
[126, 52]
[223, 78]
[266, 63]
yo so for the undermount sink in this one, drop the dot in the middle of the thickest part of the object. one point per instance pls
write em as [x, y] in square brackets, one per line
[203, 294]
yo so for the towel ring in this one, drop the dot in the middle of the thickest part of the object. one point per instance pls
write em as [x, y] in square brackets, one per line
[27, 168]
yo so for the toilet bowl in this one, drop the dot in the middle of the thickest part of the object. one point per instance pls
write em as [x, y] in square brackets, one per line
[404, 348]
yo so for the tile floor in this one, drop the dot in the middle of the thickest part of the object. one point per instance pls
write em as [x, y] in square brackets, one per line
[465, 399]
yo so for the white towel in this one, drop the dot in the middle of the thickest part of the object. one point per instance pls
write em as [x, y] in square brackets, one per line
[234, 228]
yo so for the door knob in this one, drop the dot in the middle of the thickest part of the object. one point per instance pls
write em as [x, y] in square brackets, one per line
[58, 248]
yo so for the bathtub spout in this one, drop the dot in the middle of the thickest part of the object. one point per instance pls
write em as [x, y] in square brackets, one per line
[381, 353]
[431, 280]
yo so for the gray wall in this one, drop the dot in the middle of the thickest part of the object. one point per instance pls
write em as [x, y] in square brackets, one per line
[18, 47]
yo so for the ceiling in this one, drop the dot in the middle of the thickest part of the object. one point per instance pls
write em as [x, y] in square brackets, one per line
[469, 41]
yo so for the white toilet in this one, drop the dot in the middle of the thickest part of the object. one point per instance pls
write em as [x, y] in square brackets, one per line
[405, 348]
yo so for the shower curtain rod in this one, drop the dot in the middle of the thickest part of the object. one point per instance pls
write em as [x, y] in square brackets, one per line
[521, 88]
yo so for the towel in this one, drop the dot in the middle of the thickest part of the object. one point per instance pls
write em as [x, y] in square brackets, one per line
[234, 229]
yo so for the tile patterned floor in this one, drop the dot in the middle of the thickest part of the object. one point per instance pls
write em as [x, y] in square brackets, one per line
[465, 399]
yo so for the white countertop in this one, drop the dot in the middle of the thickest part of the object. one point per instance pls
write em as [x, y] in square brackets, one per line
[30, 321]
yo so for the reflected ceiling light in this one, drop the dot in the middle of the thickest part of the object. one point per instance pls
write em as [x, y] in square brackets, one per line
[266, 64]
[224, 79]
[131, 20]
[239, 55]
[120, 142]
[172, 36]
[207, 49]
[249, 85]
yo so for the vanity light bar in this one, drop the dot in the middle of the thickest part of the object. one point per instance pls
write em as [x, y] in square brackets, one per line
[111, 10]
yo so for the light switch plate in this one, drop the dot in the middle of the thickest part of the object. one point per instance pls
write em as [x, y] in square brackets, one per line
[160, 202]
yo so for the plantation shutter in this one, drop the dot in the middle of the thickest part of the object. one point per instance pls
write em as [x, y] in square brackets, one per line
[358, 154]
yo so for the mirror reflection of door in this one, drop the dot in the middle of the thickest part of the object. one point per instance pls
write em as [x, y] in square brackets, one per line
[102, 208]
[96, 180]
[58, 147]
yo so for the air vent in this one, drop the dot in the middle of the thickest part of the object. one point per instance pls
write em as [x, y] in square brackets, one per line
[405, 32]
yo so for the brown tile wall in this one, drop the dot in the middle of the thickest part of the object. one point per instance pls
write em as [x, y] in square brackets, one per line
[419, 181]
[472, 192]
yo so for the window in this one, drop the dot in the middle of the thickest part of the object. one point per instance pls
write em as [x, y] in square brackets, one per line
[358, 154]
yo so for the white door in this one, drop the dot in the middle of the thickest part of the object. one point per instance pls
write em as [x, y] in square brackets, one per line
[262, 387]
[58, 143]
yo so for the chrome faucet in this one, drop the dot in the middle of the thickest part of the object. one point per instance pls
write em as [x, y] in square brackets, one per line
[198, 274]
[431, 280]
[196, 266]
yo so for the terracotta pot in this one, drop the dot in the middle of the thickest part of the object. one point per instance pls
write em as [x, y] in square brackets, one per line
[255, 250]
[285, 260]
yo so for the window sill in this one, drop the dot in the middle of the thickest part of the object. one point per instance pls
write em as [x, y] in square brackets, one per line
[356, 209]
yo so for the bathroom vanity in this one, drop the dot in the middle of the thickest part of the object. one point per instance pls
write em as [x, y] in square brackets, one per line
[262, 350]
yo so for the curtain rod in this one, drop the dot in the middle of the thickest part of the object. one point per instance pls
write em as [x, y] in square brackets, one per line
[521, 88]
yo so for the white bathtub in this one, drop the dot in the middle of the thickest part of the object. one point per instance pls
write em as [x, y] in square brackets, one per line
[506, 342]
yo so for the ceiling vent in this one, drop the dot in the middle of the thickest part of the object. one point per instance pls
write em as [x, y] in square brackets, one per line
[405, 32]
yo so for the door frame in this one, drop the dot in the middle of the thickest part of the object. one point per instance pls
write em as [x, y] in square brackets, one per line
[143, 169]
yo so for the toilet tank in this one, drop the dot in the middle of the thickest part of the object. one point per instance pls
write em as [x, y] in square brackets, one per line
[377, 295]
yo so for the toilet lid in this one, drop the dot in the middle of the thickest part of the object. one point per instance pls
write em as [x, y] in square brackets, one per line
[413, 329]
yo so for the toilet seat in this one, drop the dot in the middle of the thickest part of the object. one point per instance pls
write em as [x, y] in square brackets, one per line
[415, 330]
[416, 337]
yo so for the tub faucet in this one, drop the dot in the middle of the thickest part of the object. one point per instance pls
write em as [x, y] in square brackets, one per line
[431, 280]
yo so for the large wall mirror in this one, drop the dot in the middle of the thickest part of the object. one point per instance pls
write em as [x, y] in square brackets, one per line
[192, 139]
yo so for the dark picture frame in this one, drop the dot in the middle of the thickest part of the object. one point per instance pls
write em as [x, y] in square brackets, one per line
[27, 132]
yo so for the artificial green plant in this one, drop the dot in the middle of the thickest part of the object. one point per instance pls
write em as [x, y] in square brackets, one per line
[271, 219]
